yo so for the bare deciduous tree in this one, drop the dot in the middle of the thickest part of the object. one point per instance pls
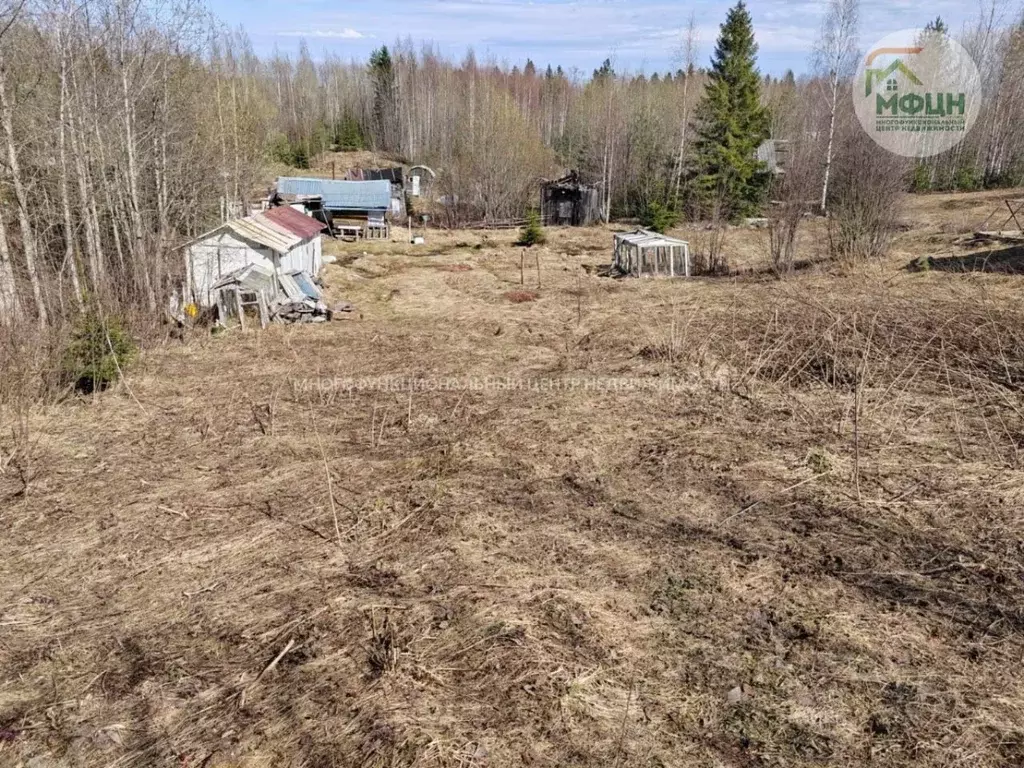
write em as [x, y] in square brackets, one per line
[834, 60]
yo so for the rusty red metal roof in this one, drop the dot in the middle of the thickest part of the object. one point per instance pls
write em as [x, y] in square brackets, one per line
[293, 221]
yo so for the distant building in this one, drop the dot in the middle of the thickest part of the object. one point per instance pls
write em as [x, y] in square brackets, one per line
[348, 208]
[774, 153]
[280, 240]
[569, 202]
[421, 179]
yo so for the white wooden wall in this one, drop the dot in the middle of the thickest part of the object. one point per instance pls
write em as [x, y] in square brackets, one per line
[207, 261]
[307, 257]
[221, 253]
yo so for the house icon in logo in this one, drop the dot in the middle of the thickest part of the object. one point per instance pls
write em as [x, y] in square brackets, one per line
[888, 76]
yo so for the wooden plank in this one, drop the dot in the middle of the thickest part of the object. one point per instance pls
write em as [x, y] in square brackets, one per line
[261, 301]
[240, 308]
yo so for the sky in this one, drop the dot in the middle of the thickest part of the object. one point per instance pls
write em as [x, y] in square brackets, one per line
[637, 35]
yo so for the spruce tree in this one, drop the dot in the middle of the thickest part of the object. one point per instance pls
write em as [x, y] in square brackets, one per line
[532, 233]
[727, 177]
[605, 72]
[385, 107]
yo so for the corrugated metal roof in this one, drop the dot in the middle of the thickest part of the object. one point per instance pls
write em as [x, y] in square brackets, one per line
[645, 238]
[339, 195]
[292, 222]
[259, 232]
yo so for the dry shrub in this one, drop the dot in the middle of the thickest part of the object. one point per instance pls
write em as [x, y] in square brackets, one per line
[866, 200]
[521, 297]
[709, 252]
[896, 345]
[931, 339]
[30, 370]
[792, 195]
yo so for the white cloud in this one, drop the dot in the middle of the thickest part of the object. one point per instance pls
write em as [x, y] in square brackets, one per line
[337, 34]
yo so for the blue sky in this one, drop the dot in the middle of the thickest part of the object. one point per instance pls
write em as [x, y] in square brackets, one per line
[638, 35]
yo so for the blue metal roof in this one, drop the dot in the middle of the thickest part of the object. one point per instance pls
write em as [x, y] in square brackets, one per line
[339, 195]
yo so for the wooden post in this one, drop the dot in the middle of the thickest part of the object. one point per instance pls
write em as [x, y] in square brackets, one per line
[522, 266]
[241, 310]
[537, 254]
[332, 171]
[579, 296]
[261, 303]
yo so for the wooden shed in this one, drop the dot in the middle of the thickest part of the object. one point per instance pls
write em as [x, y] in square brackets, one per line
[569, 202]
[281, 240]
[644, 253]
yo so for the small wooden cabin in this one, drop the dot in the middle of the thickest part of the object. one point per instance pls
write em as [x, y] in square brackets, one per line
[569, 202]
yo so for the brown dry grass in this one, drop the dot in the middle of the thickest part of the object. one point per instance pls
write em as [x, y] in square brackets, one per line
[806, 551]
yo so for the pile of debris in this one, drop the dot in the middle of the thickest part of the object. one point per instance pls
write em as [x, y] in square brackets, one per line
[282, 297]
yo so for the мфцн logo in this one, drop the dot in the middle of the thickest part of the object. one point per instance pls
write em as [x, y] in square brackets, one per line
[872, 76]
[921, 93]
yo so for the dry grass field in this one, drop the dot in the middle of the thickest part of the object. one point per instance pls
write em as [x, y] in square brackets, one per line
[721, 522]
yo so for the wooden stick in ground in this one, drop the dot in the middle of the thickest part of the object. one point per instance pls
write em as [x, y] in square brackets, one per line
[537, 256]
[579, 296]
[522, 266]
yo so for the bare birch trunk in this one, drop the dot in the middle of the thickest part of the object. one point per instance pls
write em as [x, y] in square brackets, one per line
[678, 170]
[28, 240]
[69, 233]
[134, 202]
[223, 149]
[831, 140]
[93, 242]
[10, 306]
[689, 54]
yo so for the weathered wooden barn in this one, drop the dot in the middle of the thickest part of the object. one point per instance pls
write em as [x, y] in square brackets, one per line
[644, 253]
[568, 201]
[349, 208]
[281, 240]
